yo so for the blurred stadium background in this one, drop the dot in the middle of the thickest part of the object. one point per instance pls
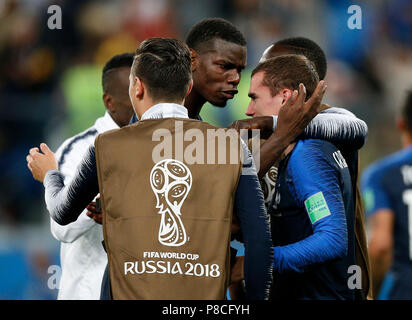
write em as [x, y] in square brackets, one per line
[50, 87]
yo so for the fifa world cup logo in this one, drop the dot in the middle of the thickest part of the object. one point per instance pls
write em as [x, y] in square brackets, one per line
[268, 184]
[171, 181]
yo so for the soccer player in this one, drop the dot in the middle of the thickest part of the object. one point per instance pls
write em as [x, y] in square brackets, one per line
[312, 210]
[387, 192]
[356, 135]
[194, 202]
[82, 257]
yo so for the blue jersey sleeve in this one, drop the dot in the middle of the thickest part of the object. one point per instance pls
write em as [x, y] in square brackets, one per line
[315, 184]
[374, 191]
[250, 209]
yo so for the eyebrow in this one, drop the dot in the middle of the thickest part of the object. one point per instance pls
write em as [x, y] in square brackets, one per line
[230, 63]
[251, 95]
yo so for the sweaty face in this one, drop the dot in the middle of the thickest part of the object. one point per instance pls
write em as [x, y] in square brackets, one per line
[218, 71]
[262, 103]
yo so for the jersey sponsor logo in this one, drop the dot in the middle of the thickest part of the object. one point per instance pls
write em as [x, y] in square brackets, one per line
[171, 181]
[317, 207]
[340, 160]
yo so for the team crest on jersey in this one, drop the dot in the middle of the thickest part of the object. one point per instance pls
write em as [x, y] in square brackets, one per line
[171, 181]
[340, 160]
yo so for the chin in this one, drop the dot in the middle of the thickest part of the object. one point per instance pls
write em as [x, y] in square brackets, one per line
[219, 103]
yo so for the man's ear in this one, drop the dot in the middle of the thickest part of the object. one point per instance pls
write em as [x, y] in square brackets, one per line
[286, 94]
[108, 101]
[139, 88]
[190, 88]
[194, 59]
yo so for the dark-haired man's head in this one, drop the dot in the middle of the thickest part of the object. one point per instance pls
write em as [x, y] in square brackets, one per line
[218, 51]
[302, 46]
[274, 80]
[115, 82]
[161, 72]
[405, 120]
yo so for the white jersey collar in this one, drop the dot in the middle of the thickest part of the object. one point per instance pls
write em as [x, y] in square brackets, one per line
[165, 110]
[105, 123]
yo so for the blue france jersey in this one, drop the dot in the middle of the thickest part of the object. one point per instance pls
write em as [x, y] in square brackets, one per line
[312, 220]
[387, 184]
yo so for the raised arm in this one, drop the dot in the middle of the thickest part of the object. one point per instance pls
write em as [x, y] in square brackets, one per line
[336, 125]
[64, 202]
[69, 156]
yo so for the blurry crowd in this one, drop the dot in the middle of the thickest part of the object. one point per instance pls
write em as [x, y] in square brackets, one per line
[50, 80]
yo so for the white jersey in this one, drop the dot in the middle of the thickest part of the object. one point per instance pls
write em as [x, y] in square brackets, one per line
[82, 256]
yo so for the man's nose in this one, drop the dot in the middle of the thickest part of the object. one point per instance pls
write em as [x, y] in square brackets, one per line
[250, 110]
[234, 77]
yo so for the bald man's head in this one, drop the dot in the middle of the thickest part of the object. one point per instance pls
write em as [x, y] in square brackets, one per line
[300, 46]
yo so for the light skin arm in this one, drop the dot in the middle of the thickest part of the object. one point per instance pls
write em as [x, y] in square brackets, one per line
[380, 245]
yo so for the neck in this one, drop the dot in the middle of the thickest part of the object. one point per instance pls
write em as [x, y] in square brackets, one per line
[406, 139]
[146, 105]
[194, 103]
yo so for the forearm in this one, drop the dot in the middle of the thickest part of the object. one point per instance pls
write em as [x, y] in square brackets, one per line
[65, 203]
[317, 248]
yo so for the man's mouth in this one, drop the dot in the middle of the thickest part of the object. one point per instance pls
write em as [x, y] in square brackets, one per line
[229, 93]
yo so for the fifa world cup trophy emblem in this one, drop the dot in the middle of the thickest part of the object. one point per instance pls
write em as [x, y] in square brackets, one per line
[268, 184]
[171, 181]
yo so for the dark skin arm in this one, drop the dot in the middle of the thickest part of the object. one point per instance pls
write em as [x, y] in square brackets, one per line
[293, 118]
[93, 213]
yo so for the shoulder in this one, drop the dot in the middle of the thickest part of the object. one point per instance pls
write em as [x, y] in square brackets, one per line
[315, 161]
[312, 151]
[76, 145]
[379, 169]
[315, 165]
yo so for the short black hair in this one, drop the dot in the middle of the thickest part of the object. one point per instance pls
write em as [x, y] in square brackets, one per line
[212, 28]
[407, 110]
[308, 48]
[118, 61]
[164, 65]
